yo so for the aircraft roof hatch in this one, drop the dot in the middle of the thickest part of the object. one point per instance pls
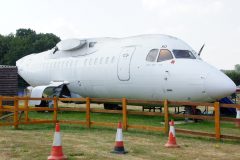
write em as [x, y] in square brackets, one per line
[70, 44]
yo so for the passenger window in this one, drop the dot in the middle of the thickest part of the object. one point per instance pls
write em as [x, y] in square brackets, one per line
[85, 62]
[106, 60]
[66, 63]
[75, 64]
[152, 55]
[90, 61]
[113, 59]
[164, 55]
[95, 62]
[183, 54]
[101, 60]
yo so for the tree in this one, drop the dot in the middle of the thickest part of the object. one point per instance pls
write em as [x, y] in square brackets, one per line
[24, 42]
[2, 48]
[237, 67]
[234, 74]
[25, 32]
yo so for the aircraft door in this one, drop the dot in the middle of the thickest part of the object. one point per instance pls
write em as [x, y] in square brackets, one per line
[124, 61]
[167, 87]
[169, 81]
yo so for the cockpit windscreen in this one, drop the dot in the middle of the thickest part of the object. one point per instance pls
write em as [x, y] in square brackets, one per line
[183, 54]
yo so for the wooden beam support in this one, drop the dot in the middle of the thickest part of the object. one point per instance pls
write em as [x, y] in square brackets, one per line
[55, 107]
[166, 117]
[124, 113]
[217, 120]
[88, 120]
[27, 110]
[15, 117]
[149, 128]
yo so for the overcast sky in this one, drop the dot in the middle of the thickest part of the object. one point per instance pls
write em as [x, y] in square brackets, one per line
[213, 22]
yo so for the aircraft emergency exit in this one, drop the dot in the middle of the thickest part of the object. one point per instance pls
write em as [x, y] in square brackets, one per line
[152, 67]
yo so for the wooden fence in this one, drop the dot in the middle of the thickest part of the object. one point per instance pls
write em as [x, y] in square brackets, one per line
[25, 108]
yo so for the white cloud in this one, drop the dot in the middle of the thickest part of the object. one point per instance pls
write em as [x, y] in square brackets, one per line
[173, 7]
[60, 26]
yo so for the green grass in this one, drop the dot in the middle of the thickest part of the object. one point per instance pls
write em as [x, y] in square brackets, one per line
[205, 126]
[34, 142]
[103, 117]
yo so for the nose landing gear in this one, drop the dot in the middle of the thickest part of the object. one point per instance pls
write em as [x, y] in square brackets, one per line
[192, 110]
[112, 106]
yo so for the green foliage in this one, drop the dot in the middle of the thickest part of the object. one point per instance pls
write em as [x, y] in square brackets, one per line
[237, 67]
[234, 74]
[24, 42]
[4, 46]
[25, 33]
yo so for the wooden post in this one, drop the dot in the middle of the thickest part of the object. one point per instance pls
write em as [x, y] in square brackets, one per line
[27, 109]
[15, 117]
[88, 112]
[166, 117]
[55, 107]
[124, 113]
[1, 107]
[217, 120]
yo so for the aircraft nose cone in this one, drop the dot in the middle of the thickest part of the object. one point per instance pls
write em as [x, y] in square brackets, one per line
[218, 85]
[19, 64]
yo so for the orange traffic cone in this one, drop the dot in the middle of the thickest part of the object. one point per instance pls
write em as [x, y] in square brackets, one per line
[238, 118]
[172, 137]
[119, 148]
[57, 153]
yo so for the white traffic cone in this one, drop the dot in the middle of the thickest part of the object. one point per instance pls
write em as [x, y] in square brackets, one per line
[57, 153]
[172, 143]
[119, 148]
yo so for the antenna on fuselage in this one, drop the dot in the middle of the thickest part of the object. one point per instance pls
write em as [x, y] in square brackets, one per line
[200, 51]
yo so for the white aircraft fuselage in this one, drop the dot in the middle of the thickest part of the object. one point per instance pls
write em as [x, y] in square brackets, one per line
[152, 67]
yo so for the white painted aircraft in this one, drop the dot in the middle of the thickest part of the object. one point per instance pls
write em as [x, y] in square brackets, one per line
[152, 67]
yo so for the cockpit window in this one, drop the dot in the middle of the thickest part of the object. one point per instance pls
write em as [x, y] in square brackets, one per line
[152, 55]
[164, 55]
[183, 54]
